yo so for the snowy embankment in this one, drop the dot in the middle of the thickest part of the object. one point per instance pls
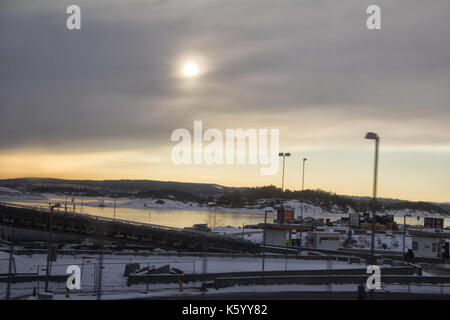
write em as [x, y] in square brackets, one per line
[8, 194]
[254, 235]
[413, 213]
[308, 209]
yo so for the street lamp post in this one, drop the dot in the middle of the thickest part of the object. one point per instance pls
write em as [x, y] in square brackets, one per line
[284, 155]
[303, 204]
[11, 259]
[264, 240]
[404, 231]
[374, 136]
[264, 245]
[303, 187]
[50, 249]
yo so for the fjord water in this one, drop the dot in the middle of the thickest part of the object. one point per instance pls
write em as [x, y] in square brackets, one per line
[178, 218]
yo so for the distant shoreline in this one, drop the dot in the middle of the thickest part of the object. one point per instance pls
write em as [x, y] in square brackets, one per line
[170, 204]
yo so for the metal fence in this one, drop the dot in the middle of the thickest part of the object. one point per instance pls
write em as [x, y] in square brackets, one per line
[90, 272]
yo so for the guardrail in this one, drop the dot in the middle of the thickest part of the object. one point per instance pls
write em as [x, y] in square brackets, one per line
[187, 278]
[108, 219]
[224, 282]
[118, 229]
[95, 217]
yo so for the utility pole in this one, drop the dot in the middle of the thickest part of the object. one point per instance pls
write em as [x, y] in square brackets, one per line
[264, 240]
[49, 249]
[303, 204]
[264, 246]
[303, 187]
[100, 269]
[284, 155]
[11, 258]
[374, 136]
[404, 231]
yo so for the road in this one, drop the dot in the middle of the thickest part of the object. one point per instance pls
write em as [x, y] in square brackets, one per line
[306, 296]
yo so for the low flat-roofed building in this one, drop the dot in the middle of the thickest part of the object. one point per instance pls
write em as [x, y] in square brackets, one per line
[280, 234]
[430, 244]
[276, 237]
[324, 240]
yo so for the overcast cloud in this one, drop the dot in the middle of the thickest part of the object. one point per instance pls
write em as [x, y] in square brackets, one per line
[275, 63]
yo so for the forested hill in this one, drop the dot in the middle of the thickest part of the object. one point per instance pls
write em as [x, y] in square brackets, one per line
[326, 200]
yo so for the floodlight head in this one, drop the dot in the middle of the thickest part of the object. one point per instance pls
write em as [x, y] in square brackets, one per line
[287, 154]
[304, 159]
[371, 135]
[281, 154]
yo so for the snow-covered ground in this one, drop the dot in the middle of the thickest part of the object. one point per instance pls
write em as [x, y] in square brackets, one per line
[383, 242]
[189, 264]
[392, 242]
[114, 267]
[114, 283]
[12, 194]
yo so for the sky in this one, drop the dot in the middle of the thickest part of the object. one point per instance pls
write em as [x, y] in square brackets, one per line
[103, 101]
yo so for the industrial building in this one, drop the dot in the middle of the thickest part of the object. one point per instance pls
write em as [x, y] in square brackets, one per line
[279, 234]
[323, 240]
[430, 244]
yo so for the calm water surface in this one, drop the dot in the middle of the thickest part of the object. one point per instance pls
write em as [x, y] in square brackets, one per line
[174, 217]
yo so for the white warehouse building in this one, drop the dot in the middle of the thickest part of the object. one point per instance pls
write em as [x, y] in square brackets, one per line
[324, 240]
[430, 244]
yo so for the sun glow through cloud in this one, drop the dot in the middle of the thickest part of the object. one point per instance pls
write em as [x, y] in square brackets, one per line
[191, 69]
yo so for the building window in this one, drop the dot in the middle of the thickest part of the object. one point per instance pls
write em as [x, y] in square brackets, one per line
[415, 245]
[434, 248]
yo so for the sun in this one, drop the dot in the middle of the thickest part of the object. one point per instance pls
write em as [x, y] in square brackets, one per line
[190, 69]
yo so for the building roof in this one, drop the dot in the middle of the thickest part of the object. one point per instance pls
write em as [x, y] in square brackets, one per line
[285, 226]
[430, 234]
